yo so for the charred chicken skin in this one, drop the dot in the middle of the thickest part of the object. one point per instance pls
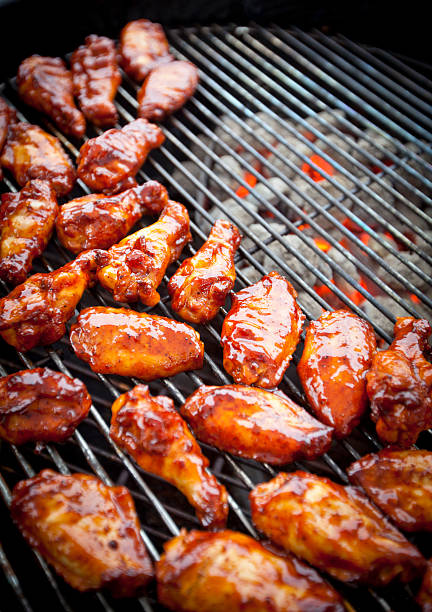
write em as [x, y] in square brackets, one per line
[109, 162]
[138, 263]
[166, 89]
[88, 531]
[333, 527]
[128, 343]
[228, 571]
[46, 84]
[41, 405]
[143, 47]
[255, 423]
[399, 384]
[151, 430]
[424, 597]
[261, 331]
[338, 352]
[97, 221]
[96, 78]
[200, 286]
[35, 313]
[26, 223]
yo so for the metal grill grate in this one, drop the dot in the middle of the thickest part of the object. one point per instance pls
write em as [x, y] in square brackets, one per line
[263, 92]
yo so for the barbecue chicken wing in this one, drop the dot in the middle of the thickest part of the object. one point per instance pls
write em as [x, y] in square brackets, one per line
[96, 78]
[399, 384]
[97, 221]
[334, 528]
[424, 596]
[129, 343]
[35, 313]
[151, 430]
[7, 118]
[231, 572]
[200, 286]
[30, 153]
[400, 483]
[46, 84]
[261, 331]
[166, 89]
[26, 223]
[41, 405]
[88, 531]
[338, 352]
[255, 423]
[143, 47]
[109, 162]
[138, 263]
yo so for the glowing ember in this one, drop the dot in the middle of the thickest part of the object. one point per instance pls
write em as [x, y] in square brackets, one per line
[322, 244]
[251, 180]
[303, 226]
[414, 298]
[321, 163]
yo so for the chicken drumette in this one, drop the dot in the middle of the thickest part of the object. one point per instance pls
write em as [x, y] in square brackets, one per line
[7, 118]
[143, 46]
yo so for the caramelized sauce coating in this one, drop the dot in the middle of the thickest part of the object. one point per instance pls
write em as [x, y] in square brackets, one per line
[97, 221]
[261, 331]
[121, 341]
[151, 430]
[7, 118]
[26, 224]
[46, 84]
[200, 286]
[334, 528]
[138, 263]
[166, 89]
[256, 424]
[338, 352]
[231, 572]
[41, 405]
[87, 531]
[424, 597]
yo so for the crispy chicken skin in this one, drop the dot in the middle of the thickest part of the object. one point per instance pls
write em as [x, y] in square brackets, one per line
[30, 153]
[338, 352]
[109, 162]
[335, 528]
[255, 423]
[46, 84]
[424, 596]
[151, 430]
[35, 313]
[97, 221]
[228, 571]
[88, 531]
[128, 343]
[399, 384]
[400, 483]
[7, 118]
[200, 286]
[138, 263]
[96, 78]
[166, 89]
[261, 331]
[41, 405]
[143, 47]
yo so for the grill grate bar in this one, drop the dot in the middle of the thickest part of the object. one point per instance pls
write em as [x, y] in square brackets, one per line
[11, 577]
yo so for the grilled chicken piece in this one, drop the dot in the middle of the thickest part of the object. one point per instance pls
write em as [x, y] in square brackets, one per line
[334, 528]
[424, 596]
[151, 430]
[129, 343]
[261, 331]
[41, 405]
[88, 531]
[30, 153]
[399, 384]
[200, 286]
[166, 89]
[46, 84]
[7, 118]
[96, 78]
[35, 313]
[338, 352]
[138, 263]
[143, 47]
[400, 483]
[255, 423]
[231, 572]
[109, 162]
[97, 221]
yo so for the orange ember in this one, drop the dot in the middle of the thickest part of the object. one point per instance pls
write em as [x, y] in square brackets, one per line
[414, 298]
[322, 244]
[321, 163]
[251, 180]
[303, 226]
